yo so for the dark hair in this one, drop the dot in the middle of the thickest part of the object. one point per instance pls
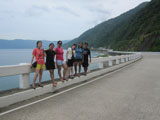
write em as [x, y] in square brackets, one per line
[59, 41]
[38, 42]
[81, 43]
[51, 44]
[74, 45]
[86, 43]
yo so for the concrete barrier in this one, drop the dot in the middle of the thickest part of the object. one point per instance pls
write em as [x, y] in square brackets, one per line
[106, 65]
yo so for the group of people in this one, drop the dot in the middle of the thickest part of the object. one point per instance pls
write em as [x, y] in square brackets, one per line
[76, 55]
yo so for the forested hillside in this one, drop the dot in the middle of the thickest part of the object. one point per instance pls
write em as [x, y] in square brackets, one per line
[135, 30]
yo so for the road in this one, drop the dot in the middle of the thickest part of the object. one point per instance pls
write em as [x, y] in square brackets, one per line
[130, 94]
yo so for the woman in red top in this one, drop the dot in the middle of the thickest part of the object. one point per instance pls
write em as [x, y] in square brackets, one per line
[38, 54]
[60, 61]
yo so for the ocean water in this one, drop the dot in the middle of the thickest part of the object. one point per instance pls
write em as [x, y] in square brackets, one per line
[17, 56]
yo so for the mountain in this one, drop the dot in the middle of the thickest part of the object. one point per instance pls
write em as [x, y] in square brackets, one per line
[135, 30]
[24, 44]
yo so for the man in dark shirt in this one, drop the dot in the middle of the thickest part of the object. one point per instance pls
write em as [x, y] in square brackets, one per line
[86, 54]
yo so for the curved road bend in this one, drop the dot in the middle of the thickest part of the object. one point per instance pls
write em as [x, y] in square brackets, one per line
[130, 94]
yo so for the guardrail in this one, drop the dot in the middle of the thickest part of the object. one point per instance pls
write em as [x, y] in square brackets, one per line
[24, 69]
[106, 65]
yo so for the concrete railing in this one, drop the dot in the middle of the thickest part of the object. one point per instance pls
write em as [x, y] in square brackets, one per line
[24, 69]
[106, 64]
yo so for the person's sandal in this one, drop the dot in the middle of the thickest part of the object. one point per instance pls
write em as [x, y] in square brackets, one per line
[85, 74]
[69, 76]
[33, 87]
[62, 80]
[79, 75]
[72, 77]
[54, 84]
[40, 85]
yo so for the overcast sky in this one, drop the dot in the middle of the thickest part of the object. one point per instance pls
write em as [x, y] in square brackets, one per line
[56, 19]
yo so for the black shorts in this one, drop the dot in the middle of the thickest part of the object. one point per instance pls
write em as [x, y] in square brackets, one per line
[70, 63]
[50, 65]
[85, 64]
[78, 60]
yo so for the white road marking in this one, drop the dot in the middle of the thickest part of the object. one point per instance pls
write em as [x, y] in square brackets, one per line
[12, 110]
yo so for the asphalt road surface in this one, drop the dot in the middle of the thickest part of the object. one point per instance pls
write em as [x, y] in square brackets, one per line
[130, 94]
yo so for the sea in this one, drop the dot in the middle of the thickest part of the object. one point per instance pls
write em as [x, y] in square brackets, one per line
[17, 56]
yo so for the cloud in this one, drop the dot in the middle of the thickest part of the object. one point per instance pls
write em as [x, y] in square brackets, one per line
[56, 19]
[67, 10]
[36, 11]
[7, 14]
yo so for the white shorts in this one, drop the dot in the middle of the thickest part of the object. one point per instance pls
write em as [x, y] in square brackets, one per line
[60, 62]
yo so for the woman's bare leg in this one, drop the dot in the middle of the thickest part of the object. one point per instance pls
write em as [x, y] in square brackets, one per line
[85, 70]
[40, 76]
[52, 77]
[35, 77]
[80, 64]
[75, 67]
[52, 74]
[64, 70]
[59, 72]
[71, 71]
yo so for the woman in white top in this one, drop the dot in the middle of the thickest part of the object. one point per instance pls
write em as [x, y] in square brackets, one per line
[70, 59]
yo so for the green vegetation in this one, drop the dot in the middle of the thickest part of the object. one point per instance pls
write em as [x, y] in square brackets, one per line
[135, 30]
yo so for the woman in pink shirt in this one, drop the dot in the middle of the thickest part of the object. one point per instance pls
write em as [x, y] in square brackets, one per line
[60, 61]
[38, 54]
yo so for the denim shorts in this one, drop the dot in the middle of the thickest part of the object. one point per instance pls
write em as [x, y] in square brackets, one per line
[60, 62]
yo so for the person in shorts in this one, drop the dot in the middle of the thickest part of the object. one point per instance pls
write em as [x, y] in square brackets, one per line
[78, 58]
[70, 60]
[60, 61]
[38, 54]
[86, 54]
[50, 64]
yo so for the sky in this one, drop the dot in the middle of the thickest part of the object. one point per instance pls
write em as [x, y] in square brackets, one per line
[56, 19]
